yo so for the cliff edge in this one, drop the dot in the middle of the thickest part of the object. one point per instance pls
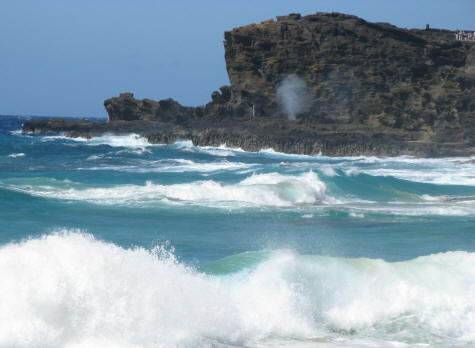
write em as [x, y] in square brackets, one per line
[326, 83]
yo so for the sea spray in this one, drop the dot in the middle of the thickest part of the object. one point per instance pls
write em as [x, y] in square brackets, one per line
[293, 95]
[132, 140]
[69, 289]
[72, 290]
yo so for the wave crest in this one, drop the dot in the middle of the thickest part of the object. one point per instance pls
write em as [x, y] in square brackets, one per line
[270, 189]
[69, 289]
[131, 140]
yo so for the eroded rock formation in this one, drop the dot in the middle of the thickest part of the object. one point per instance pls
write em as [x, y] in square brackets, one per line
[371, 88]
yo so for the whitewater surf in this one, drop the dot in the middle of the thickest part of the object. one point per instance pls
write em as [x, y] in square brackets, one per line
[115, 242]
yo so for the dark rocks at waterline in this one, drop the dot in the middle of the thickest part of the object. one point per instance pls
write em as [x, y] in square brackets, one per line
[370, 89]
[280, 135]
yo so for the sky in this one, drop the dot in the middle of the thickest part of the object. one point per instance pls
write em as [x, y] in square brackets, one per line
[65, 57]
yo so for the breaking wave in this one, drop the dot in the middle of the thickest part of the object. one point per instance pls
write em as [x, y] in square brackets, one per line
[15, 155]
[219, 151]
[438, 171]
[172, 166]
[270, 189]
[453, 175]
[132, 140]
[71, 290]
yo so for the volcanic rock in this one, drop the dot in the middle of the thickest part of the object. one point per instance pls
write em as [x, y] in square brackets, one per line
[370, 89]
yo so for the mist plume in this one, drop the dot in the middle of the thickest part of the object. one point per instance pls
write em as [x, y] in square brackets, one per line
[293, 96]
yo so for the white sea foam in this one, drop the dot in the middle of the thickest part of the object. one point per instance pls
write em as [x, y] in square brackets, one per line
[328, 171]
[95, 157]
[451, 171]
[439, 171]
[175, 166]
[220, 151]
[400, 159]
[15, 155]
[453, 175]
[356, 215]
[134, 150]
[272, 153]
[224, 150]
[73, 291]
[270, 189]
[59, 137]
[70, 290]
[16, 132]
[132, 140]
[206, 167]
[450, 199]
[433, 208]
[267, 190]
[181, 144]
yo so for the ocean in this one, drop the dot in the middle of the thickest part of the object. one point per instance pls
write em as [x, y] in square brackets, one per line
[115, 242]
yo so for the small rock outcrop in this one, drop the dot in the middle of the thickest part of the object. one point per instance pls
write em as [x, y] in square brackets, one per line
[358, 88]
[127, 108]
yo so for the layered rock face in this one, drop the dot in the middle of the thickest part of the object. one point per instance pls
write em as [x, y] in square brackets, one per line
[354, 87]
[357, 72]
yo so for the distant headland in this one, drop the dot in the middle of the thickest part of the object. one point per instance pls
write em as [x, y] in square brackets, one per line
[327, 83]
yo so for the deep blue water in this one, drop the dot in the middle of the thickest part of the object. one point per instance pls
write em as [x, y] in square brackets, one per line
[262, 249]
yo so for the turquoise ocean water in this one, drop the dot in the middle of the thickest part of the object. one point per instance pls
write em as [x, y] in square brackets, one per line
[114, 242]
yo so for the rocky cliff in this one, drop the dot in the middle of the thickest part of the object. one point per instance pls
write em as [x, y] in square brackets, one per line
[353, 87]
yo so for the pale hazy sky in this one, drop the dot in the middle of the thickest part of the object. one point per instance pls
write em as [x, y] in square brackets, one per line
[64, 57]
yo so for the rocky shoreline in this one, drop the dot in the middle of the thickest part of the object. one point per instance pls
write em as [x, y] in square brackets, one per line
[253, 136]
[327, 83]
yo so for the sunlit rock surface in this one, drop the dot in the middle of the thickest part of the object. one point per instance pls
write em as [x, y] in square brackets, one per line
[370, 88]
